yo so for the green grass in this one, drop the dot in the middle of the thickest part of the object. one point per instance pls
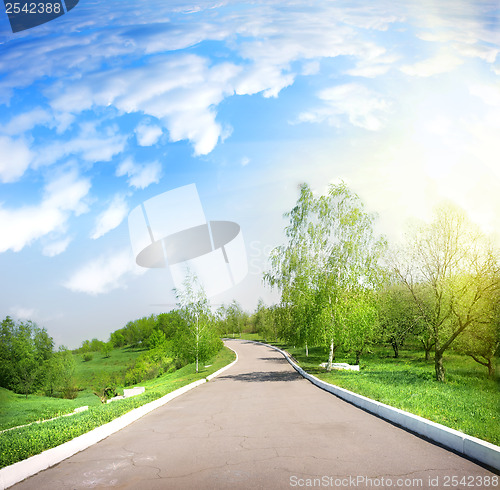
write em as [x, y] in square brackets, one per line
[18, 410]
[115, 365]
[19, 444]
[468, 401]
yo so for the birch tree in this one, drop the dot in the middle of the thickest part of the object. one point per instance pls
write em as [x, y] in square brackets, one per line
[198, 340]
[332, 259]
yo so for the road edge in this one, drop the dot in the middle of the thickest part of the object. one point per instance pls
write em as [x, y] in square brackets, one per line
[476, 449]
[17, 472]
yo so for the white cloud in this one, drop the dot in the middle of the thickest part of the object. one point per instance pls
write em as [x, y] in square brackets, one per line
[111, 217]
[15, 158]
[26, 121]
[90, 144]
[441, 63]
[63, 197]
[56, 247]
[102, 274]
[245, 161]
[148, 135]
[373, 67]
[183, 101]
[140, 176]
[362, 107]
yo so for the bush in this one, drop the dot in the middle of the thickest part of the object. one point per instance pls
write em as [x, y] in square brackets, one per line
[87, 356]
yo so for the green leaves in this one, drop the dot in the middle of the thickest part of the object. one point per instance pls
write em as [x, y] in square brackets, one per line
[327, 269]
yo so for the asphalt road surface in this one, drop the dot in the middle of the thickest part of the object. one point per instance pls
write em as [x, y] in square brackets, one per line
[261, 425]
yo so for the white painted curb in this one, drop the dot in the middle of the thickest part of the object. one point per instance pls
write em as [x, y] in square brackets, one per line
[10, 475]
[477, 449]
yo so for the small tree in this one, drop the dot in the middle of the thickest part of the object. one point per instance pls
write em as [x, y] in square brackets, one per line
[399, 318]
[199, 340]
[104, 387]
[106, 349]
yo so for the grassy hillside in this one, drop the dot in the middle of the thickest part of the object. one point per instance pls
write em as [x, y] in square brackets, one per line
[18, 410]
[24, 442]
[115, 365]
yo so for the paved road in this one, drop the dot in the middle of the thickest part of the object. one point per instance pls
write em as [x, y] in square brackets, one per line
[259, 425]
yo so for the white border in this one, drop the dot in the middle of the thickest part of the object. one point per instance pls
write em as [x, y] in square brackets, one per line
[472, 447]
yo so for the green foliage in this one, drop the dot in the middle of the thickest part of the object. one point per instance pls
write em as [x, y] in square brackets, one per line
[24, 349]
[198, 340]
[328, 270]
[451, 270]
[399, 317]
[264, 321]
[59, 375]
[87, 356]
[149, 365]
[482, 340]
[104, 387]
[106, 349]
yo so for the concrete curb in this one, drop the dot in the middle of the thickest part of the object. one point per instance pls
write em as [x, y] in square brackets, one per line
[17, 472]
[472, 447]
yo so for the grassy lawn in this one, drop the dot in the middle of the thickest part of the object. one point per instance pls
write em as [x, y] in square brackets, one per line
[468, 401]
[118, 362]
[19, 444]
[18, 410]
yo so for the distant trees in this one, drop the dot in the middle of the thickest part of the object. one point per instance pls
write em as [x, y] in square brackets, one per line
[264, 321]
[451, 271]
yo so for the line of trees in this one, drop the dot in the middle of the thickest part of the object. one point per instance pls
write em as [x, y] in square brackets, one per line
[343, 287]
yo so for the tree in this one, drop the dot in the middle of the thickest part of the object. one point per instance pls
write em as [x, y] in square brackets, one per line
[117, 338]
[264, 322]
[106, 349]
[59, 374]
[29, 351]
[482, 340]
[398, 317]
[104, 387]
[450, 269]
[234, 318]
[330, 263]
[198, 341]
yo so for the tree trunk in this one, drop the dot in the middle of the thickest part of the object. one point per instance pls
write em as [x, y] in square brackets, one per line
[439, 367]
[331, 356]
[307, 351]
[491, 368]
[358, 356]
[427, 354]
[395, 348]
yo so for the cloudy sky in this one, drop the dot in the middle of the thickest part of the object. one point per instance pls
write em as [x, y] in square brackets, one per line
[119, 101]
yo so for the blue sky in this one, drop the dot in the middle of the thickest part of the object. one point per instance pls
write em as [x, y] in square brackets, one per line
[119, 101]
